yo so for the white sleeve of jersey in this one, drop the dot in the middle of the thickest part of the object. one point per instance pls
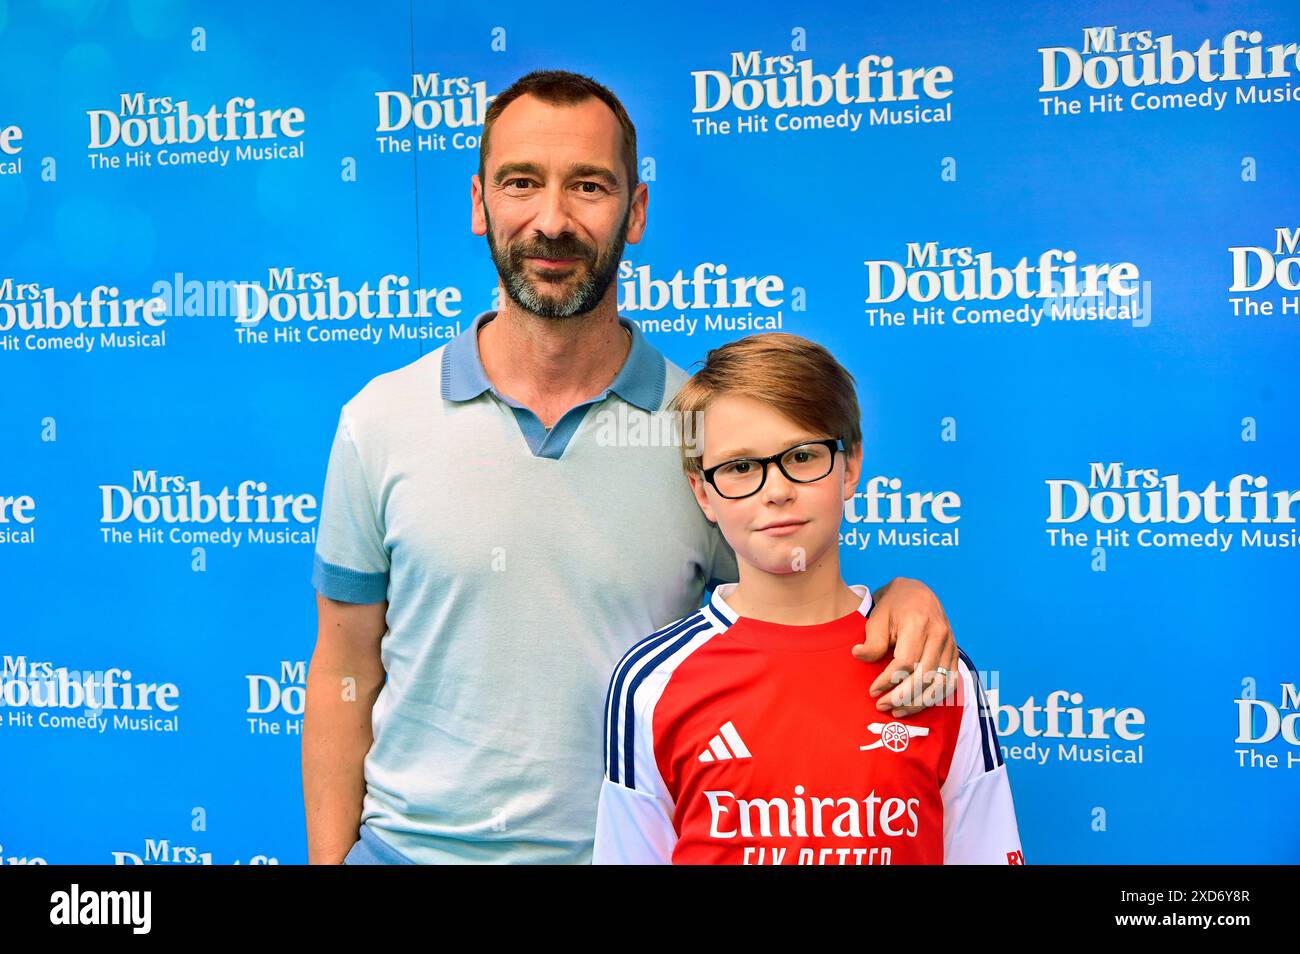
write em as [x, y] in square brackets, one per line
[634, 816]
[979, 819]
[632, 828]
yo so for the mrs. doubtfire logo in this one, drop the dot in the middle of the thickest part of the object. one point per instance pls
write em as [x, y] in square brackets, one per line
[960, 287]
[153, 131]
[1268, 732]
[758, 94]
[884, 514]
[276, 703]
[18, 519]
[1114, 71]
[37, 694]
[1260, 272]
[11, 151]
[313, 307]
[36, 317]
[706, 296]
[172, 509]
[1143, 507]
[12, 859]
[437, 114]
[1060, 725]
[163, 851]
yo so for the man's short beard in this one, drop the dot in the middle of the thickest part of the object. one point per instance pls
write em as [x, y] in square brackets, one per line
[589, 292]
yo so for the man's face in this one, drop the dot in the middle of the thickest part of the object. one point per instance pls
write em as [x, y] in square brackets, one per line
[737, 426]
[555, 206]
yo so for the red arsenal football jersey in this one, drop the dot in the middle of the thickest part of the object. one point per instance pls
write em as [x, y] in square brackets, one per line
[730, 740]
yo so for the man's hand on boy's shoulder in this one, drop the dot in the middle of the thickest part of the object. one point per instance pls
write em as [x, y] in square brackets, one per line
[908, 618]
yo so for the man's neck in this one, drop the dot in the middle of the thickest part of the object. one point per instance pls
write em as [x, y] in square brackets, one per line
[551, 364]
[806, 598]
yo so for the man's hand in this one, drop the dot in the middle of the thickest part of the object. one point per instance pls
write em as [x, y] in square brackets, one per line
[908, 617]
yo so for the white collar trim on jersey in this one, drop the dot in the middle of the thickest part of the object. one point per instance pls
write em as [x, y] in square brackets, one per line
[718, 602]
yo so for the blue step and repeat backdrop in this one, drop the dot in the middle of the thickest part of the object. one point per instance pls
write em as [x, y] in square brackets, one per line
[1058, 245]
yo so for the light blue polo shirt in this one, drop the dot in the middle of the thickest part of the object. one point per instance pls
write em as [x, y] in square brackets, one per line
[518, 565]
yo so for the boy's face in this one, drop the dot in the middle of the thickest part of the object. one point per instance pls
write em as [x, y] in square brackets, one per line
[737, 426]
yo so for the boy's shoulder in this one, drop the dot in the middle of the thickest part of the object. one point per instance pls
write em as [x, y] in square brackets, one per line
[636, 683]
[667, 639]
[649, 663]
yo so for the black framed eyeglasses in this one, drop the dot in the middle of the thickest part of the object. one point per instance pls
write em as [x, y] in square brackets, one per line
[803, 464]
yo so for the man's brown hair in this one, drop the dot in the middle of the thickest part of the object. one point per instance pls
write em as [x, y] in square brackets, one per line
[796, 377]
[561, 88]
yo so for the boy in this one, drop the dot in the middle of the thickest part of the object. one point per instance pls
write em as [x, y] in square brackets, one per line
[744, 733]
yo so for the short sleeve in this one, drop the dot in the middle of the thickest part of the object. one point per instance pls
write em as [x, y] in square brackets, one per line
[351, 563]
[634, 815]
[632, 828]
[979, 818]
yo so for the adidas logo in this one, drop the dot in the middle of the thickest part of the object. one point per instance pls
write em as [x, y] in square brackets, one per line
[727, 744]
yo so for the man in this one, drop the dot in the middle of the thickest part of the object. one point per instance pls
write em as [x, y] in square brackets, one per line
[484, 550]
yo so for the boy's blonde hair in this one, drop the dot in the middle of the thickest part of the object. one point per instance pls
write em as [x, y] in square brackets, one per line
[796, 377]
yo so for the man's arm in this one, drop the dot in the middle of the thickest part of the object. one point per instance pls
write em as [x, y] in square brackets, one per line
[907, 617]
[343, 681]
[350, 575]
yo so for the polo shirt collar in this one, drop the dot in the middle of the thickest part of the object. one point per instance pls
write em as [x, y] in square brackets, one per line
[640, 381]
